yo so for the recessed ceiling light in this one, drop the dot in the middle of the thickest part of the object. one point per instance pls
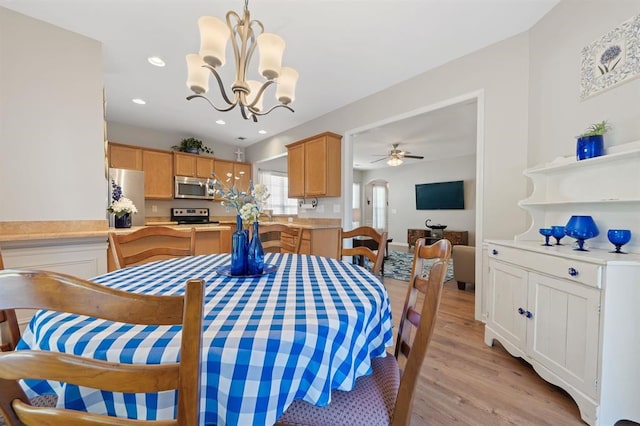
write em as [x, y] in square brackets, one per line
[139, 101]
[154, 60]
[221, 122]
[262, 132]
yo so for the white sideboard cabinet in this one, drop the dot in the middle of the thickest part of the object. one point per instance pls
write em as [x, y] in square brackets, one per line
[573, 314]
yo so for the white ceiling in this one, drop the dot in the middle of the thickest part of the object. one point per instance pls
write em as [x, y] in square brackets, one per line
[344, 50]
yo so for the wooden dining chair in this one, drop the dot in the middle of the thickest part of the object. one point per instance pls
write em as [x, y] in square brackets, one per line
[385, 397]
[376, 255]
[290, 244]
[65, 293]
[9, 320]
[151, 243]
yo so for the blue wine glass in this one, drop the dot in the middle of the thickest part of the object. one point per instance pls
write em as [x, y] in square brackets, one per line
[547, 233]
[619, 237]
[557, 232]
[581, 228]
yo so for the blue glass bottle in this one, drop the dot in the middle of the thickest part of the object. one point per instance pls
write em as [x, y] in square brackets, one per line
[256, 253]
[239, 249]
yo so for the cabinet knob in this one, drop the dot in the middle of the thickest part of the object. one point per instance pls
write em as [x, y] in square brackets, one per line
[528, 314]
[573, 272]
[521, 311]
[494, 252]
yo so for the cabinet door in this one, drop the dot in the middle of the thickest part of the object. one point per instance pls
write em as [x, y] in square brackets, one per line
[204, 167]
[295, 171]
[243, 171]
[563, 332]
[184, 164]
[315, 172]
[507, 299]
[125, 157]
[158, 174]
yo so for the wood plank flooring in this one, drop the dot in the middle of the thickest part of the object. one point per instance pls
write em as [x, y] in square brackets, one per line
[465, 382]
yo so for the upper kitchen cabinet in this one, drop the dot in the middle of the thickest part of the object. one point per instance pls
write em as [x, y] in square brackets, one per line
[314, 166]
[125, 157]
[240, 170]
[158, 174]
[192, 165]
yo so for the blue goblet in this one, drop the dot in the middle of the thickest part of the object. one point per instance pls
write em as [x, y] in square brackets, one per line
[557, 232]
[547, 233]
[581, 228]
[619, 237]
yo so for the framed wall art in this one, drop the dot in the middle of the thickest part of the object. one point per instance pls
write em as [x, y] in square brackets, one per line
[611, 60]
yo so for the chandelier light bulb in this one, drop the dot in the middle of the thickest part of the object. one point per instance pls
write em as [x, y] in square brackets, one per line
[214, 35]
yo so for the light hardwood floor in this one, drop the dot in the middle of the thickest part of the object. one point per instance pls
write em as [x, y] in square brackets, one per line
[465, 382]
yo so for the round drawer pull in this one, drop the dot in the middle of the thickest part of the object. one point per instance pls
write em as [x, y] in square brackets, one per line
[521, 311]
[494, 252]
[573, 272]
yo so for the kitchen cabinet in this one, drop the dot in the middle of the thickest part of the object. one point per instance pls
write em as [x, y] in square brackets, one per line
[192, 165]
[158, 174]
[240, 170]
[314, 166]
[125, 157]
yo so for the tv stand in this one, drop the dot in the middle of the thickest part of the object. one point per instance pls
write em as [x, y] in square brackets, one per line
[455, 237]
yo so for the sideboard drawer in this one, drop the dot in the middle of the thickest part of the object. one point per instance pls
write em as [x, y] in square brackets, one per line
[570, 269]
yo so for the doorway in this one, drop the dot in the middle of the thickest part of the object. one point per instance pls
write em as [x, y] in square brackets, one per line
[376, 208]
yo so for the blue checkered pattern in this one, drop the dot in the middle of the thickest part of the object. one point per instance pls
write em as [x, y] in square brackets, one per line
[298, 333]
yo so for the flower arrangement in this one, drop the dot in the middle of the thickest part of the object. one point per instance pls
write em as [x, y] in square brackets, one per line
[249, 204]
[120, 205]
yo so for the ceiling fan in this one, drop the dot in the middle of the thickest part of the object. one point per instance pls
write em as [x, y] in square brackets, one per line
[396, 155]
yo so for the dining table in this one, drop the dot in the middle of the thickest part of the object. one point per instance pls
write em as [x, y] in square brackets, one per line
[305, 327]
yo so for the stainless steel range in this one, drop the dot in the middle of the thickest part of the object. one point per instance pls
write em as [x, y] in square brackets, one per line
[190, 216]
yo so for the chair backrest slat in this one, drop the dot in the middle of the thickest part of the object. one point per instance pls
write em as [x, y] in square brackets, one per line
[376, 257]
[151, 243]
[424, 321]
[65, 293]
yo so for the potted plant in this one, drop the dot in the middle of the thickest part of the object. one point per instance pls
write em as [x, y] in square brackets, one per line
[193, 146]
[591, 142]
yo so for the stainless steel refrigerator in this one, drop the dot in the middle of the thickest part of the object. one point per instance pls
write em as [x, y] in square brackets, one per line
[132, 184]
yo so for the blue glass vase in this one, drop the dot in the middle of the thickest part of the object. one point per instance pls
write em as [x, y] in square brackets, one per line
[239, 249]
[581, 228]
[256, 253]
[589, 147]
[123, 221]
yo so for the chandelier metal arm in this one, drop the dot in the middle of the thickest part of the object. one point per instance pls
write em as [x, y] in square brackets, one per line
[211, 103]
[222, 90]
[274, 107]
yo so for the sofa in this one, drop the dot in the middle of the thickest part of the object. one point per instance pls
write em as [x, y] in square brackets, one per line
[464, 265]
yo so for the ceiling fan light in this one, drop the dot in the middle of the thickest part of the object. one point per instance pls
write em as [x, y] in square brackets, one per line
[197, 75]
[286, 91]
[214, 34]
[394, 161]
[271, 48]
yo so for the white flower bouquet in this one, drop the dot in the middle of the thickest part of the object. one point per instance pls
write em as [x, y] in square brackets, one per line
[120, 205]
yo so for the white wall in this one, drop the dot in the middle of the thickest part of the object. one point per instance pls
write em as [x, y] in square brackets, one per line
[556, 113]
[502, 71]
[402, 205]
[51, 123]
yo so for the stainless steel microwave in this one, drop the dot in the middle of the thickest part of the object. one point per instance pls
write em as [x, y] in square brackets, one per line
[190, 187]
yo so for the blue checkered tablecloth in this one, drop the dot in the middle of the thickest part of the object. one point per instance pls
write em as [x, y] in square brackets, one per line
[310, 327]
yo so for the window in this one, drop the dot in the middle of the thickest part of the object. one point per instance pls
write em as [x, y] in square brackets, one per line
[379, 207]
[356, 219]
[278, 184]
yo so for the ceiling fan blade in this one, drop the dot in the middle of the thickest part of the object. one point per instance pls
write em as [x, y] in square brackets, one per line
[379, 159]
[419, 157]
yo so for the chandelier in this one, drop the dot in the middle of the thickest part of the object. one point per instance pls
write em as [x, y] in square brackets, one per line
[245, 35]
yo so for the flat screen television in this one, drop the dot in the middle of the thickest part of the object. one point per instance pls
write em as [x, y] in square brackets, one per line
[440, 195]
